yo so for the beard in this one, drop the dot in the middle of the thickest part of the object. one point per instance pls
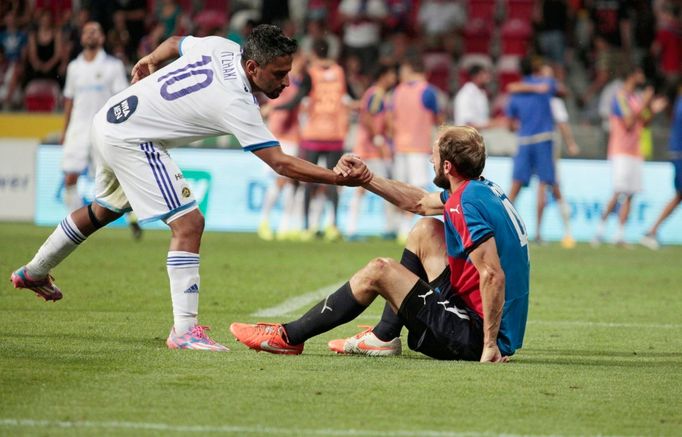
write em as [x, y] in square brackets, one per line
[274, 94]
[441, 180]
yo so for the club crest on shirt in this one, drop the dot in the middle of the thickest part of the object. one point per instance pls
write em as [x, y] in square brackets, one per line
[186, 192]
[122, 111]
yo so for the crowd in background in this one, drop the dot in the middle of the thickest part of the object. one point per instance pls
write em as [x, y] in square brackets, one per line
[588, 42]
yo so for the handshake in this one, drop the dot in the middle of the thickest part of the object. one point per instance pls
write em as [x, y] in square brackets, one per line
[352, 171]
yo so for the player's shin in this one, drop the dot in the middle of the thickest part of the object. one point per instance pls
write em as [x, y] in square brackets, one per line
[183, 273]
[63, 240]
[336, 309]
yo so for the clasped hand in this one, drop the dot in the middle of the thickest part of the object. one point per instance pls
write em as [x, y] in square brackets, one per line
[353, 171]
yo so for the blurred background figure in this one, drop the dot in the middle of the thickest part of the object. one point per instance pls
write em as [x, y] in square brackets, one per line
[471, 102]
[413, 115]
[13, 42]
[284, 125]
[650, 239]
[630, 112]
[91, 79]
[530, 115]
[371, 144]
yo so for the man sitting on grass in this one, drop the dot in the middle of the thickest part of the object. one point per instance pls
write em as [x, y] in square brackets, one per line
[461, 288]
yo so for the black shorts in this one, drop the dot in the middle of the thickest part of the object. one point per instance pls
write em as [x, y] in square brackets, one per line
[440, 325]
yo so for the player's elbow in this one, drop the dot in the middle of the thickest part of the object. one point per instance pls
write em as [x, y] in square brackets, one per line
[493, 276]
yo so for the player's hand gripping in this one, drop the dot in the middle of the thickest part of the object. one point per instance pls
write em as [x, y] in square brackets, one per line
[353, 171]
[491, 354]
[144, 67]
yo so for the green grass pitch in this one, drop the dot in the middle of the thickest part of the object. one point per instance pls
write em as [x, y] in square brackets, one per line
[602, 354]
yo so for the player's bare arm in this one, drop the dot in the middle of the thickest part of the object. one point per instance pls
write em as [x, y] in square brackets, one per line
[299, 169]
[406, 197]
[487, 261]
[169, 49]
[68, 106]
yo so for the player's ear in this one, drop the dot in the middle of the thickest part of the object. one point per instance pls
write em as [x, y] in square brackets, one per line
[447, 167]
[250, 67]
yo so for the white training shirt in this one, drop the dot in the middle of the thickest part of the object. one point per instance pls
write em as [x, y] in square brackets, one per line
[471, 106]
[201, 94]
[559, 111]
[90, 84]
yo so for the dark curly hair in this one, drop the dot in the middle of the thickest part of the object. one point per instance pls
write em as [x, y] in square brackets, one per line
[267, 42]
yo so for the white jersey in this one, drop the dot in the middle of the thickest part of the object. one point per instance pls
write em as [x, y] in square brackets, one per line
[90, 84]
[201, 94]
[471, 106]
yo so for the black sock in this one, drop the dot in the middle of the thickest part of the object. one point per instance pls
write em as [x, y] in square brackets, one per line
[390, 324]
[336, 309]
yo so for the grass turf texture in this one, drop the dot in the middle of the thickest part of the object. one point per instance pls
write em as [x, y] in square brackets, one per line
[602, 350]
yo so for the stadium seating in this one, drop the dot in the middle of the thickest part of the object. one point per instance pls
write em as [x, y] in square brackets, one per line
[477, 36]
[41, 95]
[482, 10]
[520, 10]
[515, 37]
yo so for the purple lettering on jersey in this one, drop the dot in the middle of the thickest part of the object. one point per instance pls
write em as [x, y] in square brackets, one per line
[177, 76]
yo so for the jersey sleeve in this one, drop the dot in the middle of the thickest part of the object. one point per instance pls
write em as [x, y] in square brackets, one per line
[244, 121]
[559, 112]
[186, 44]
[512, 108]
[477, 227]
[430, 99]
[70, 84]
[616, 107]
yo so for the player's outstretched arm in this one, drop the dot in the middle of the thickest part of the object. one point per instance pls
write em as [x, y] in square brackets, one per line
[487, 261]
[169, 49]
[406, 197]
[301, 170]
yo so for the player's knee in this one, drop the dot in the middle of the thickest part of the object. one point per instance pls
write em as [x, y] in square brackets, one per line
[376, 271]
[423, 231]
[188, 226]
[101, 216]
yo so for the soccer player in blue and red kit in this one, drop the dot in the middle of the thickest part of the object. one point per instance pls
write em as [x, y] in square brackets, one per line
[462, 286]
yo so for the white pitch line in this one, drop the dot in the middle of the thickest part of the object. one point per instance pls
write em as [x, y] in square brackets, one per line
[233, 429]
[295, 303]
[291, 306]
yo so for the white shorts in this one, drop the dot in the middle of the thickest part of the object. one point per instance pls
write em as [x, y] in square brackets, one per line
[76, 151]
[143, 178]
[627, 174]
[413, 168]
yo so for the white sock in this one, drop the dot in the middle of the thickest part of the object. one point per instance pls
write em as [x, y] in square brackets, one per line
[600, 229]
[183, 272]
[316, 210]
[288, 199]
[620, 233]
[565, 212]
[354, 212]
[270, 198]
[72, 200]
[63, 240]
[297, 210]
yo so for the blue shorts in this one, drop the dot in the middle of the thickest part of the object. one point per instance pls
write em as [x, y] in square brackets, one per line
[677, 163]
[536, 159]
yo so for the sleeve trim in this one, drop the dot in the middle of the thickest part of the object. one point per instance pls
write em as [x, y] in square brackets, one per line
[258, 146]
[480, 241]
[180, 45]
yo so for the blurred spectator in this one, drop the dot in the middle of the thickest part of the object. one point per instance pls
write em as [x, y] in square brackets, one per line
[553, 22]
[605, 64]
[13, 39]
[316, 29]
[610, 22]
[400, 15]
[151, 41]
[644, 28]
[118, 37]
[471, 102]
[21, 10]
[45, 52]
[6, 74]
[362, 21]
[356, 81]
[439, 17]
[168, 13]
[274, 11]
[239, 32]
[71, 31]
[135, 14]
[396, 48]
[668, 44]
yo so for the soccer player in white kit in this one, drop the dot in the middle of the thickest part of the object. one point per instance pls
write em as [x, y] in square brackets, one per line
[207, 91]
[91, 79]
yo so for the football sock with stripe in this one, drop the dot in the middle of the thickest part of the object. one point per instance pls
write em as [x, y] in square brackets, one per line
[183, 272]
[336, 309]
[63, 240]
[390, 325]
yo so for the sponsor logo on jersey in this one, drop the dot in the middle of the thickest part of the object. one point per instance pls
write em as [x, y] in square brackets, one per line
[122, 111]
